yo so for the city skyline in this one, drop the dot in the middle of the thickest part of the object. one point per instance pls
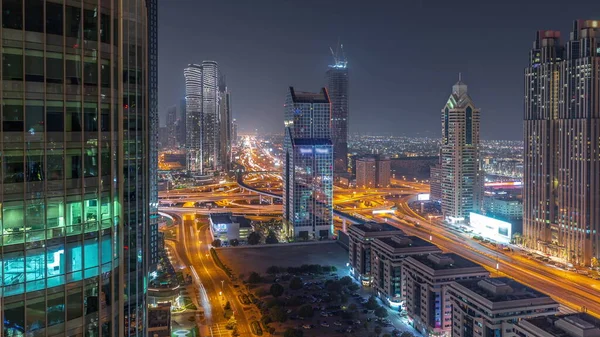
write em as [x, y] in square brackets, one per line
[391, 63]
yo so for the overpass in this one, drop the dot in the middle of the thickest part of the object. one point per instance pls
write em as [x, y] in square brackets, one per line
[338, 213]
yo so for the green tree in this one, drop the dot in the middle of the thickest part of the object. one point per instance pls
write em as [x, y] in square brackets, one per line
[407, 334]
[276, 290]
[352, 307]
[254, 278]
[372, 303]
[381, 312]
[253, 238]
[227, 306]
[271, 238]
[306, 311]
[346, 281]
[296, 283]
[378, 330]
[216, 243]
[272, 270]
[278, 314]
[234, 242]
[291, 332]
[231, 323]
[353, 287]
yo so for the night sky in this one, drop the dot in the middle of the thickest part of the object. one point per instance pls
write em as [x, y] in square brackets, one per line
[403, 55]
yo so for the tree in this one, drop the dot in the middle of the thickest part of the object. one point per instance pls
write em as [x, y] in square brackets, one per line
[353, 287]
[254, 278]
[372, 303]
[278, 314]
[227, 306]
[387, 335]
[381, 312]
[266, 319]
[276, 290]
[306, 311]
[594, 262]
[272, 270]
[377, 330]
[352, 307]
[346, 281]
[407, 334]
[296, 283]
[232, 323]
[291, 332]
[253, 238]
[234, 242]
[216, 243]
[271, 238]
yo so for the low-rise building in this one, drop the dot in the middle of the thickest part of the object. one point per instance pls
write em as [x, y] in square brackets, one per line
[425, 299]
[159, 320]
[361, 237]
[572, 325]
[489, 307]
[226, 227]
[387, 255]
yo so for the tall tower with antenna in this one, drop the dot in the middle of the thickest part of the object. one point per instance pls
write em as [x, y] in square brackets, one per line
[337, 87]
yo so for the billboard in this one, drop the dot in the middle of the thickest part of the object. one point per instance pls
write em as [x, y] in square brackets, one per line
[490, 228]
[423, 197]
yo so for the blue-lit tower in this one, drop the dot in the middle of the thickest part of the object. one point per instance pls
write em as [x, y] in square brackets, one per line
[308, 165]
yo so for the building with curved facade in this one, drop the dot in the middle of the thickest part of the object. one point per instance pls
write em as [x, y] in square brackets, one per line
[75, 162]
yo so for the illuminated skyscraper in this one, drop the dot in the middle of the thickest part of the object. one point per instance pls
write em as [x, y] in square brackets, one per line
[561, 193]
[224, 123]
[308, 165]
[75, 193]
[461, 178]
[172, 127]
[337, 87]
[202, 116]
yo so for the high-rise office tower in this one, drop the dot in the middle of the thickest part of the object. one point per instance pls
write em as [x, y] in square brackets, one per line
[462, 180]
[234, 131]
[561, 194]
[202, 116]
[181, 121]
[75, 190]
[172, 127]
[224, 124]
[337, 86]
[366, 171]
[308, 165]
[193, 117]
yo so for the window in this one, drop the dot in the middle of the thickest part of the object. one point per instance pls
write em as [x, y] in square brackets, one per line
[34, 114]
[74, 164]
[73, 69]
[34, 66]
[12, 14]
[90, 119]
[105, 28]
[54, 18]
[73, 22]
[54, 68]
[73, 119]
[13, 169]
[90, 25]
[105, 73]
[12, 64]
[56, 306]
[90, 72]
[91, 162]
[12, 119]
[34, 16]
[55, 164]
[54, 117]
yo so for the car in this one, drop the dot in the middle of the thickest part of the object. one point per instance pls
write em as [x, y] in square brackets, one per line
[323, 314]
[325, 324]
[365, 311]
[337, 323]
[349, 330]
[289, 311]
[306, 326]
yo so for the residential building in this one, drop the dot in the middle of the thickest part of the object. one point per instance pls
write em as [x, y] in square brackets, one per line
[226, 227]
[337, 88]
[181, 122]
[171, 127]
[159, 320]
[572, 325]
[365, 172]
[435, 182]
[489, 307]
[308, 165]
[426, 278]
[561, 181]
[78, 159]
[387, 256]
[507, 207]
[234, 131]
[373, 171]
[360, 238]
[461, 177]
[163, 137]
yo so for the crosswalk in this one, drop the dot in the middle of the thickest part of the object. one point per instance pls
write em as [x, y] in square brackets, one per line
[219, 330]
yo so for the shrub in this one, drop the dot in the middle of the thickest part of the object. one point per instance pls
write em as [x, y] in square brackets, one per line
[253, 238]
[296, 283]
[372, 303]
[381, 312]
[272, 270]
[276, 290]
[216, 243]
[306, 311]
[254, 278]
[291, 332]
[278, 314]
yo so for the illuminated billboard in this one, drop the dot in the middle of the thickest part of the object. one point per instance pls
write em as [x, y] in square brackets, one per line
[490, 228]
[423, 197]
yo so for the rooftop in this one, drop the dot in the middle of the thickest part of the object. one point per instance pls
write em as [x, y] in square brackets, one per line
[221, 218]
[446, 261]
[374, 227]
[572, 325]
[501, 289]
[402, 241]
[309, 97]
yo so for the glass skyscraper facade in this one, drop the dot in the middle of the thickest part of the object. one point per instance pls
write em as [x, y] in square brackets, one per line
[308, 165]
[337, 88]
[561, 180]
[75, 187]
